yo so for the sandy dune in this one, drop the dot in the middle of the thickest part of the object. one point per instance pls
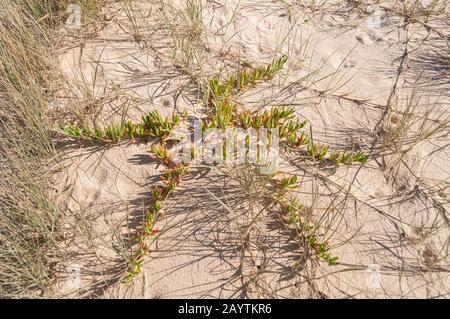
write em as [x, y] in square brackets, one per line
[349, 75]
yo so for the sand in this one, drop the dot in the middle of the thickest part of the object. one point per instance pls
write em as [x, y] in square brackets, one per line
[351, 76]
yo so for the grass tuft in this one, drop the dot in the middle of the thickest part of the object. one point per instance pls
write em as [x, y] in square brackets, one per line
[28, 218]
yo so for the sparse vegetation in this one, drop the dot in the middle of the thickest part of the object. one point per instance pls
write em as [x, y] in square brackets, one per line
[362, 126]
[152, 125]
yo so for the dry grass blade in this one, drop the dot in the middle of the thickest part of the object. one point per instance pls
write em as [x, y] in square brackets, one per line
[28, 219]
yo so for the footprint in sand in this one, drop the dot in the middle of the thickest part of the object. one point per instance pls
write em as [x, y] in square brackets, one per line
[364, 39]
[350, 64]
[221, 21]
[269, 25]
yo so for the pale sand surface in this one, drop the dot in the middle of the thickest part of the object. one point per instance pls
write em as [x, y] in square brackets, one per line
[341, 75]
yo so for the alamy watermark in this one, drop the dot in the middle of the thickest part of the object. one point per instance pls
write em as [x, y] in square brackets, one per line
[230, 146]
[375, 19]
[74, 19]
[373, 276]
[74, 276]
